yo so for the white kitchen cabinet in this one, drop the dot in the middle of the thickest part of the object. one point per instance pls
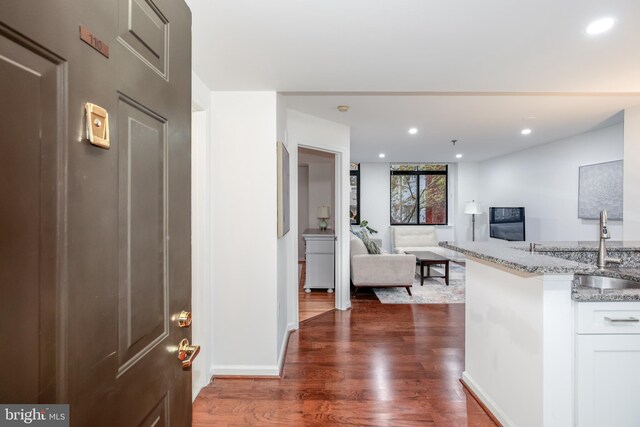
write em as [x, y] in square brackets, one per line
[320, 254]
[607, 365]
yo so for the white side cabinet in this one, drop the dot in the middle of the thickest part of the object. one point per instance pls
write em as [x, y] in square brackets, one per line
[608, 364]
[320, 250]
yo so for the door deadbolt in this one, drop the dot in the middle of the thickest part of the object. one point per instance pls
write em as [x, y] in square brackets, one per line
[184, 320]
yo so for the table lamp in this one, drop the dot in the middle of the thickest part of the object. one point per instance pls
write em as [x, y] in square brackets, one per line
[323, 215]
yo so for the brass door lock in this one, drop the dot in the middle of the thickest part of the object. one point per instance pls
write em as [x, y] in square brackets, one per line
[184, 320]
[187, 353]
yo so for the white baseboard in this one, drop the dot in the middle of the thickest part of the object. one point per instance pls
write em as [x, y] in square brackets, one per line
[487, 401]
[255, 370]
[246, 370]
[283, 348]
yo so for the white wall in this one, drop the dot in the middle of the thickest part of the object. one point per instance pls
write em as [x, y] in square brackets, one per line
[201, 251]
[468, 189]
[303, 207]
[321, 192]
[632, 174]
[245, 294]
[287, 258]
[544, 179]
[312, 132]
[375, 201]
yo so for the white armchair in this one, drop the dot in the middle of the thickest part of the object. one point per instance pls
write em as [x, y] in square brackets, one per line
[381, 270]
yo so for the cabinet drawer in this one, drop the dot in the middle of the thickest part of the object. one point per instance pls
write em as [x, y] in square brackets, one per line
[608, 318]
[320, 246]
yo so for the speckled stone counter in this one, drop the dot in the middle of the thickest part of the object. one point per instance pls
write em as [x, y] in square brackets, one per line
[562, 258]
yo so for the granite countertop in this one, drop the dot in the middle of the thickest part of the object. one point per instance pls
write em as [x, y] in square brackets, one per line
[562, 258]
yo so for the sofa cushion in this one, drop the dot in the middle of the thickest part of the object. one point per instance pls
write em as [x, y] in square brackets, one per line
[357, 246]
[379, 243]
[371, 246]
[414, 236]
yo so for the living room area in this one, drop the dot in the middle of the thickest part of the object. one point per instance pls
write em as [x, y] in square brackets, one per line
[418, 349]
[408, 339]
[428, 153]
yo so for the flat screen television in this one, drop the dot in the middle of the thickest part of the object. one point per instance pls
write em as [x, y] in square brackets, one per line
[507, 224]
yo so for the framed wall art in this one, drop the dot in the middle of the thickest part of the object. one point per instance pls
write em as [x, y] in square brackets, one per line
[284, 185]
[600, 187]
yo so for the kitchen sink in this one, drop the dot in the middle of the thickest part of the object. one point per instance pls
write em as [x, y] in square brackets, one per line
[602, 283]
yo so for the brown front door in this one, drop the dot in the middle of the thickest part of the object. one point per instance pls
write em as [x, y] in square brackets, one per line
[95, 243]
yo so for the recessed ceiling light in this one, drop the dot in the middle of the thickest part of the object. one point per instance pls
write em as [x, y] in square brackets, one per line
[600, 26]
[381, 155]
[413, 131]
[343, 108]
[458, 156]
[525, 131]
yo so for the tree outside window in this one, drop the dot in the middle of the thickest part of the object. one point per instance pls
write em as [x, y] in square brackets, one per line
[418, 194]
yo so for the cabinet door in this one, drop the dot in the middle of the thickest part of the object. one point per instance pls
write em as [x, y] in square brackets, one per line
[608, 380]
[319, 271]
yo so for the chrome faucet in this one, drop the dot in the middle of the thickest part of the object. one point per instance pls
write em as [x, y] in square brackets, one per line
[603, 258]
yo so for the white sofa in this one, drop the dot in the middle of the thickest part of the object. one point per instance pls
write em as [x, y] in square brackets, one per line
[381, 270]
[409, 238]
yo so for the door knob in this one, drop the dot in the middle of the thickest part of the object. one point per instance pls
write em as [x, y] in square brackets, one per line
[187, 353]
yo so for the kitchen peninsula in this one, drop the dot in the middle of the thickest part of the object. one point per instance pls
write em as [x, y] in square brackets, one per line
[541, 351]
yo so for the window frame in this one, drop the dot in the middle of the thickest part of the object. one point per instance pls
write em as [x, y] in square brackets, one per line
[418, 174]
[355, 173]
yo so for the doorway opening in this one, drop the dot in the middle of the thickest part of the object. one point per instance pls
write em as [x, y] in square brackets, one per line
[316, 232]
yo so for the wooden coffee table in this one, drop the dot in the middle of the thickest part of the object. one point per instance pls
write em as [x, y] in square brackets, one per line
[429, 258]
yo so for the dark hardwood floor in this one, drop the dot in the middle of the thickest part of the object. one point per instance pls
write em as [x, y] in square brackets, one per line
[377, 365]
[314, 303]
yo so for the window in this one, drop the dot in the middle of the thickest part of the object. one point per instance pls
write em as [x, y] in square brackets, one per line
[418, 194]
[354, 206]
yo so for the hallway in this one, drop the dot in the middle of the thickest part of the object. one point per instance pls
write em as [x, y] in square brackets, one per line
[313, 303]
[378, 365]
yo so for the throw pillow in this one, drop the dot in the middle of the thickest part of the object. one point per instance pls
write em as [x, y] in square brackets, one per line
[371, 246]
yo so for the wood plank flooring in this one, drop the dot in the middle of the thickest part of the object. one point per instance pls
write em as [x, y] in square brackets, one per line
[314, 303]
[374, 365]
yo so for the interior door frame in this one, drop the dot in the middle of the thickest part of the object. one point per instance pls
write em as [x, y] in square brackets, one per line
[202, 234]
[200, 247]
[55, 143]
[342, 223]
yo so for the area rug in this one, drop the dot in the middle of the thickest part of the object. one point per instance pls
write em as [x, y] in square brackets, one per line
[434, 290]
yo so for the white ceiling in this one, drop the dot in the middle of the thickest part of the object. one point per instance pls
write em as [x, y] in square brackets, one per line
[354, 48]
[485, 126]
